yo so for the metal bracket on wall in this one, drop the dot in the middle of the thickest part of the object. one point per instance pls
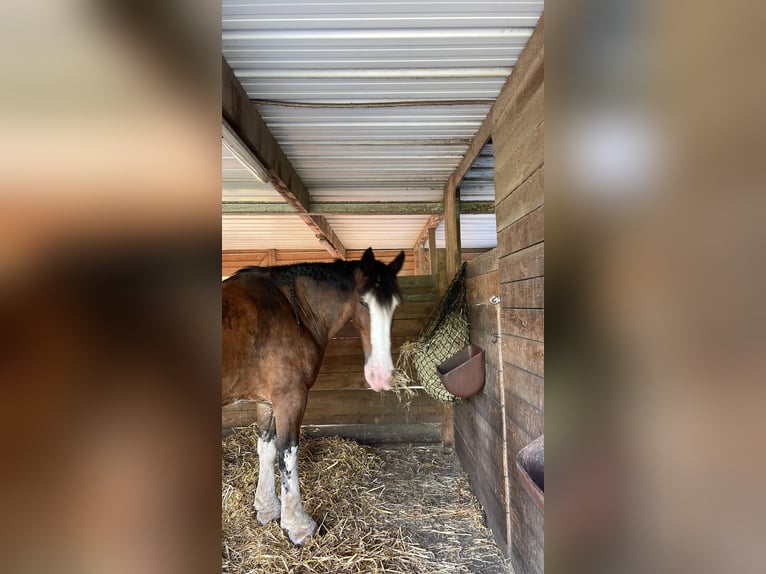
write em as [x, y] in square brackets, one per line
[495, 299]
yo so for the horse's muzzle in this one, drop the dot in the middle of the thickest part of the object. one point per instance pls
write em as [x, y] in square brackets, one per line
[378, 376]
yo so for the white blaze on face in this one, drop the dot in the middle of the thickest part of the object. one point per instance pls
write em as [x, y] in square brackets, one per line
[379, 367]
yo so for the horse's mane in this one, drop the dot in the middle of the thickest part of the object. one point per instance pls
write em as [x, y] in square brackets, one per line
[380, 279]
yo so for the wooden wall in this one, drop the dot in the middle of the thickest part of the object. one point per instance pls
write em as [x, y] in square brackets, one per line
[341, 401]
[519, 204]
[479, 420]
[234, 260]
[510, 410]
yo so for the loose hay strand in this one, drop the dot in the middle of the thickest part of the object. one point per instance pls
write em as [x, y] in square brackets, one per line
[385, 510]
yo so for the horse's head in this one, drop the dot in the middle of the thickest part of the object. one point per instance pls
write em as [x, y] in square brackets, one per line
[377, 294]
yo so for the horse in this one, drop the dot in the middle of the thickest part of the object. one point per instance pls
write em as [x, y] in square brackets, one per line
[277, 322]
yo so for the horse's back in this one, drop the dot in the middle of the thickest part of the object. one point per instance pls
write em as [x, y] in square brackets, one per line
[263, 346]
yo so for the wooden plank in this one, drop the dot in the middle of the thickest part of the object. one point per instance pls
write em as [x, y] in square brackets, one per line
[493, 380]
[432, 223]
[524, 113]
[524, 353]
[343, 407]
[483, 318]
[479, 289]
[417, 282]
[520, 162]
[414, 310]
[526, 198]
[489, 342]
[433, 253]
[531, 61]
[241, 114]
[524, 385]
[526, 545]
[524, 415]
[368, 407]
[530, 515]
[244, 118]
[377, 434]
[526, 294]
[452, 228]
[525, 72]
[448, 427]
[527, 231]
[517, 439]
[483, 483]
[527, 323]
[525, 264]
[482, 264]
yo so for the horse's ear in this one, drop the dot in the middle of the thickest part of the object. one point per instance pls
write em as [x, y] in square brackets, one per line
[369, 257]
[396, 264]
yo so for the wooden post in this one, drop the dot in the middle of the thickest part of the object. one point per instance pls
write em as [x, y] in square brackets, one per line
[452, 228]
[432, 252]
[448, 426]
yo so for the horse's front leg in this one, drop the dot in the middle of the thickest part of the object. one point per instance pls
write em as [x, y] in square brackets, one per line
[267, 504]
[295, 520]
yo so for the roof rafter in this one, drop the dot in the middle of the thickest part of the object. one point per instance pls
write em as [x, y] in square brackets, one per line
[247, 123]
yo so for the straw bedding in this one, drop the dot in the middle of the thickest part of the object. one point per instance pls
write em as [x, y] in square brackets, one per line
[393, 508]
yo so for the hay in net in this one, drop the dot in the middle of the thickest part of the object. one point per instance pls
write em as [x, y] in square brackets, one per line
[378, 511]
[445, 333]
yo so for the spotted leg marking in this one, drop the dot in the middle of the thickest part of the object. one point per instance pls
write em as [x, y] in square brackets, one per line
[295, 520]
[267, 504]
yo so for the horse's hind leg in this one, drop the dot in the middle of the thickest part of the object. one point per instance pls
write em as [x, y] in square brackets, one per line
[267, 504]
[289, 414]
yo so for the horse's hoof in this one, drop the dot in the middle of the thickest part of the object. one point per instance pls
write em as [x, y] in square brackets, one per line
[300, 533]
[269, 513]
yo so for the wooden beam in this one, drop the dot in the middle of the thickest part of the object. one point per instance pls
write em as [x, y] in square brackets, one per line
[248, 125]
[432, 223]
[432, 251]
[451, 228]
[358, 208]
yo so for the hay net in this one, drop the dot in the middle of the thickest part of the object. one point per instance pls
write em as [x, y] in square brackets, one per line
[445, 333]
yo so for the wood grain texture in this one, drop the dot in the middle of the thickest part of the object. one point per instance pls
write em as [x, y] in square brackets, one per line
[525, 199]
[525, 264]
[525, 294]
[527, 323]
[452, 228]
[248, 124]
[527, 231]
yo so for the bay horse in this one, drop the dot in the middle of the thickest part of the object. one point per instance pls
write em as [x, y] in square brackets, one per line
[277, 322]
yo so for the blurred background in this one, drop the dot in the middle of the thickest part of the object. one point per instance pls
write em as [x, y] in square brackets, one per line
[110, 286]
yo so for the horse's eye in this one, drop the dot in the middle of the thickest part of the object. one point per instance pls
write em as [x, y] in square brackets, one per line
[363, 303]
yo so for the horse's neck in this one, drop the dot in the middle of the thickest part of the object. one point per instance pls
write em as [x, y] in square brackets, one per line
[323, 311]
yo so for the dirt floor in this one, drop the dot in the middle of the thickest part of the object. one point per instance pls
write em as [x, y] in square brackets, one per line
[384, 508]
[428, 480]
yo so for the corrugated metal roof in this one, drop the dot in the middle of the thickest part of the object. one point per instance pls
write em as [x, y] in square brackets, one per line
[357, 52]
[266, 232]
[239, 184]
[384, 232]
[476, 231]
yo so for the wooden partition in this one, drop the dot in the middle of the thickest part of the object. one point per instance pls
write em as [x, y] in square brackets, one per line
[492, 427]
[519, 188]
[479, 420]
[342, 403]
[233, 260]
